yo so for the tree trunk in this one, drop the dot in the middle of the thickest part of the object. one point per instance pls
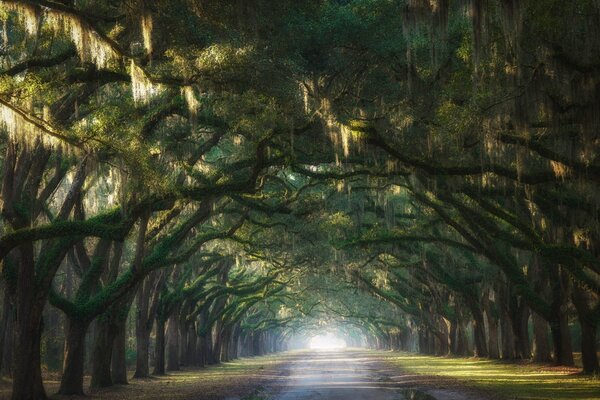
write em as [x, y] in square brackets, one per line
[589, 328]
[27, 373]
[521, 330]
[559, 326]
[119, 354]
[72, 378]
[159, 348]
[479, 333]
[202, 348]
[191, 353]
[589, 355]
[173, 344]
[5, 327]
[508, 342]
[541, 344]
[102, 355]
[494, 351]
[561, 341]
[142, 344]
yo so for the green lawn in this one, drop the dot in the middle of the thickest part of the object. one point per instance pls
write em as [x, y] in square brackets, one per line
[515, 381]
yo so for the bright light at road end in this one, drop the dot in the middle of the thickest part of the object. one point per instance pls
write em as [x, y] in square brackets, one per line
[327, 342]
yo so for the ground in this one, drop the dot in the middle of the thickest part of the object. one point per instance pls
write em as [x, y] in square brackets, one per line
[357, 374]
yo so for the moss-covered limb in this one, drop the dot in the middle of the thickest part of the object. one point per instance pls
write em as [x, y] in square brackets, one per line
[588, 171]
[502, 213]
[242, 292]
[479, 239]
[549, 199]
[491, 224]
[236, 309]
[34, 63]
[511, 270]
[349, 174]
[96, 227]
[255, 205]
[41, 125]
[394, 238]
[171, 299]
[197, 243]
[98, 265]
[267, 324]
[404, 305]
[434, 168]
[89, 21]
[158, 114]
[175, 239]
[92, 75]
[161, 222]
[68, 307]
[564, 253]
[575, 259]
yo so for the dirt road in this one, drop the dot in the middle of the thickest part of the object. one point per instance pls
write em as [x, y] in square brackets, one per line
[357, 375]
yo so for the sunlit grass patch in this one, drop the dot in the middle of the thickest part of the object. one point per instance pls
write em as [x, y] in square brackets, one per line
[518, 381]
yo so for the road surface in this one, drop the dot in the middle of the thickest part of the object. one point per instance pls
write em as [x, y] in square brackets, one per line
[356, 375]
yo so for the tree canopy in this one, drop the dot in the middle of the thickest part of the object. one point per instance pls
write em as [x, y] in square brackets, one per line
[418, 174]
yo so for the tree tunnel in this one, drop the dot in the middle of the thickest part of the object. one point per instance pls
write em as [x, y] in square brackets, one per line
[188, 182]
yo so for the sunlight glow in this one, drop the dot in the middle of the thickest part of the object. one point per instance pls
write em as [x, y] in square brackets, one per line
[327, 342]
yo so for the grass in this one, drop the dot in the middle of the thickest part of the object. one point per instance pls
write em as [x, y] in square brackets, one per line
[514, 381]
[242, 378]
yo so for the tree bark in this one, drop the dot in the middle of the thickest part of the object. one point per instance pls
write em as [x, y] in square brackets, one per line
[589, 328]
[494, 350]
[541, 344]
[72, 378]
[102, 352]
[159, 348]
[173, 343]
[27, 375]
[119, 354]
[559, 326]
[589, 355]
[479, 332]
[5, 326]
[521, 330]
[142, 343]
[508, 342]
